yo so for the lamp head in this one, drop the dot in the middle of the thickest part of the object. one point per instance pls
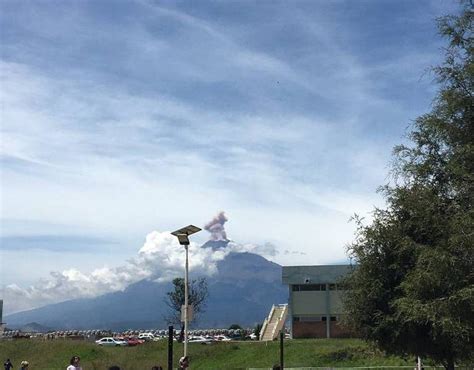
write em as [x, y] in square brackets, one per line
[183, 239]
[183, 233]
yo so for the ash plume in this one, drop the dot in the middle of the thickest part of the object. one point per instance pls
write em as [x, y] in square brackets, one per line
[216, 227]
[159, 259]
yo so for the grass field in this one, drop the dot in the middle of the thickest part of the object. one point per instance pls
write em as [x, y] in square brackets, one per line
[55, 354]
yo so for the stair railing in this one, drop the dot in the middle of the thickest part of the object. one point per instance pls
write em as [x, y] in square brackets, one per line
[266, 322]
[280, 321]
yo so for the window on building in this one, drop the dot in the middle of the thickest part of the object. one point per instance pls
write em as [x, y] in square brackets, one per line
[311, 319]
[337, 287]
[333, 318]
[308, 287]
[308, 318]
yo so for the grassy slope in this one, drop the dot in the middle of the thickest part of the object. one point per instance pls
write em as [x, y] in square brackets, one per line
[44, 355]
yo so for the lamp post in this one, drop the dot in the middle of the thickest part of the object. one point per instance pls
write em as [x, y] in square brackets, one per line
[183, 238]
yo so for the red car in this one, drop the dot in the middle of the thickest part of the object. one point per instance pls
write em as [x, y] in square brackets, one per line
[134, 341]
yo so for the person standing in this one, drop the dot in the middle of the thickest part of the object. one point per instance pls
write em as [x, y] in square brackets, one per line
[7, 364]
[24, 365]
[75, 363]
[183, 363]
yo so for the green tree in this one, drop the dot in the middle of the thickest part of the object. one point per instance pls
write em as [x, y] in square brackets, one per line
[198, 294]
[235, 327]
[412, 292]
[257, 330]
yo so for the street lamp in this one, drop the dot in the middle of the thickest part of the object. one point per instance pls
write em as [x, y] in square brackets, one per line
[183, 239]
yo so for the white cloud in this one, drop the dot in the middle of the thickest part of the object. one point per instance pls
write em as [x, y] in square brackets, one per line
[127, 175]
[171, 116]
[160, 258]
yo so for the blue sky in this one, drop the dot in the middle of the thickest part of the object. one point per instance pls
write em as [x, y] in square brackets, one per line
[124, 117]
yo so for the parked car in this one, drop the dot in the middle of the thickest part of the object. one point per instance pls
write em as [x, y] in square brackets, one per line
[134, 341]
[199, 339]
[111, 342]
[222, 338]
[146, 336]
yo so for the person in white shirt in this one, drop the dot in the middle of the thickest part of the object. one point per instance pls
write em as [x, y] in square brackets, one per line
[75, 363]
[183, 363]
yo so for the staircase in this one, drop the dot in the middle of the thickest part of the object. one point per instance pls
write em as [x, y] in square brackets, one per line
[274, 323]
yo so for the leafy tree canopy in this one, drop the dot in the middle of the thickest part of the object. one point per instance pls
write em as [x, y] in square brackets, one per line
[198, 293]
[413, 289]
[235, 327]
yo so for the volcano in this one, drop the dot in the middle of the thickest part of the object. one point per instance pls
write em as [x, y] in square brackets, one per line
[242, 292]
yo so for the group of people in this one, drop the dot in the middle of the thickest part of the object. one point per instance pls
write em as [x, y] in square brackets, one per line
[75, 364]
[24, 365]
[183, 365]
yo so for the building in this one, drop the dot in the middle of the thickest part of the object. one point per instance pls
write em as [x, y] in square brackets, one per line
[315, 300]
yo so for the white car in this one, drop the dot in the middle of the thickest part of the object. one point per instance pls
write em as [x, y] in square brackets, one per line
[111, 342]
[148, 337]
[222, 338]
[199, 339]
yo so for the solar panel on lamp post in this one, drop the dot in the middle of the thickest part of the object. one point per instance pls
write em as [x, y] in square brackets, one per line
[183, 239]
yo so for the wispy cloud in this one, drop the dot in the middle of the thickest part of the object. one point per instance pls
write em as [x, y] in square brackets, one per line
[120, 119]
[60, 243]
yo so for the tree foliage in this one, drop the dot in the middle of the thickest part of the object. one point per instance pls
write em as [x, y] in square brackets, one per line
[198, 293]
[257, 330]
[235, 327]
[413, 289]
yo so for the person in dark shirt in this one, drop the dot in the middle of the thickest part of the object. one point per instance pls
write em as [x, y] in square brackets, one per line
[7, 364]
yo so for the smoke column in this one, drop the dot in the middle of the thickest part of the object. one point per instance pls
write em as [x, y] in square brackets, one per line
[216, 227]
[159, 259]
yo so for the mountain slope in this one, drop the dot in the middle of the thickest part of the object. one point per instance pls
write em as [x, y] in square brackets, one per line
[242, 291]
